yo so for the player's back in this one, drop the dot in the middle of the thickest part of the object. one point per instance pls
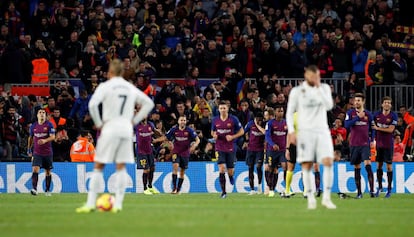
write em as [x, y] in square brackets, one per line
[119, 99]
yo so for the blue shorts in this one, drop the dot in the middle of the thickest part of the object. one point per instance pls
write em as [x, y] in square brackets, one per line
[254, 157]
[228, 158]
[45, 162]
[359, 154]
[181, 161]
[385, 155]
[145, 161]
[274, 158]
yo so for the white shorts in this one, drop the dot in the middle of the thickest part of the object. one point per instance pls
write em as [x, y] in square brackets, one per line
[314, 146]
[112, 149]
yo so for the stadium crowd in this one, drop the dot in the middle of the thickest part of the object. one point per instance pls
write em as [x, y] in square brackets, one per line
[230, 40]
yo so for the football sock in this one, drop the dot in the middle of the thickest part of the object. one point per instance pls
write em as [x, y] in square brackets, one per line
[48, 182]
[274, 181]
[318, 180]
[379, 178]
[251, 177]
[121, 183]
[327, 181]
[370, 178]
[231, 178]
[289, 176]
[222, 178]
[180, 183]
[389, 176]
[95, 184]
[357, 175]
[307, 182]
[151, 176]
[174, 181]
[145, 180]
[259, 174]
[284, 175]
[267, 177]
[35, 177]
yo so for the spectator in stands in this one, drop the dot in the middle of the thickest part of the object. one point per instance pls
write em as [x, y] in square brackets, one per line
[359, 58]
[399, 69]
[299, 60]
[353, 85]
[249, 59]
[57, 70]
[56, 119]
[73, 51]
[12, 125]
[399, 149]
[80, 107]
[82, 150]
[61, 145]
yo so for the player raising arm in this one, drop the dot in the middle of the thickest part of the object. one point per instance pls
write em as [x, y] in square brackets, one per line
[311, 100]
[119, 99]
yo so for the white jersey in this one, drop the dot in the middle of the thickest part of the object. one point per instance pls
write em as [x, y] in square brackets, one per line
[311, 105]
[119, 99]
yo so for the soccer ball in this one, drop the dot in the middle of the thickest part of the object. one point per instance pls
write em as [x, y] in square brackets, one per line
[105, 202]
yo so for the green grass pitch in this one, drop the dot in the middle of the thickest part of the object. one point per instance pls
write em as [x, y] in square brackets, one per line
[205, 215]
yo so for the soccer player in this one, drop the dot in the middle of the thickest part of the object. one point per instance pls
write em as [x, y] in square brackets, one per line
[255, 134]
[311, 100]
[185, 141]
[358, 121]
[119, 99]
[39, 147]
[384, 123]
[226, 129]
[145, 156]
[276, 131]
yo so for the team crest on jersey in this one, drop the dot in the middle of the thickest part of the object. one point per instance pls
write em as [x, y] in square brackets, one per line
[388, 120]
[140, 129]
[150, 129]
[185, 133]
[285, 127]
[366, 118]
[228, 125]
[45, 129]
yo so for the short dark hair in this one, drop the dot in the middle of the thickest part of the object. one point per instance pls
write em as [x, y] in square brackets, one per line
[312, 68]
[84, 133]
[360, 95]
[386, 98]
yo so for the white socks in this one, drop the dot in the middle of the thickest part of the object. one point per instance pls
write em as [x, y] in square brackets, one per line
[121, 182]
[327, 182]
[95, 184]
[308, 182]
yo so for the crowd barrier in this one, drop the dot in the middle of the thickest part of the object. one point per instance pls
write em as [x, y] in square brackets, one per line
[401, 94]
[201, 177]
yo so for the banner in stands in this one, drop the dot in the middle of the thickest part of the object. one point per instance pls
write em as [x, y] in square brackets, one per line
[201, 177]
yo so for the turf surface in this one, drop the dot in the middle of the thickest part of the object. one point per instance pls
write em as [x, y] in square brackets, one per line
[205, 215]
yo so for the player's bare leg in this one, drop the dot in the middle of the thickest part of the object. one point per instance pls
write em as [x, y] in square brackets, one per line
[267, 187]
[327, 183]
[251, 179]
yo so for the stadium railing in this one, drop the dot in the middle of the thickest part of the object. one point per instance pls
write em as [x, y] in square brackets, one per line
[401, 94]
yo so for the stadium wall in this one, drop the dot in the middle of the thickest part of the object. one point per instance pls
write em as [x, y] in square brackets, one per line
[201, 177]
